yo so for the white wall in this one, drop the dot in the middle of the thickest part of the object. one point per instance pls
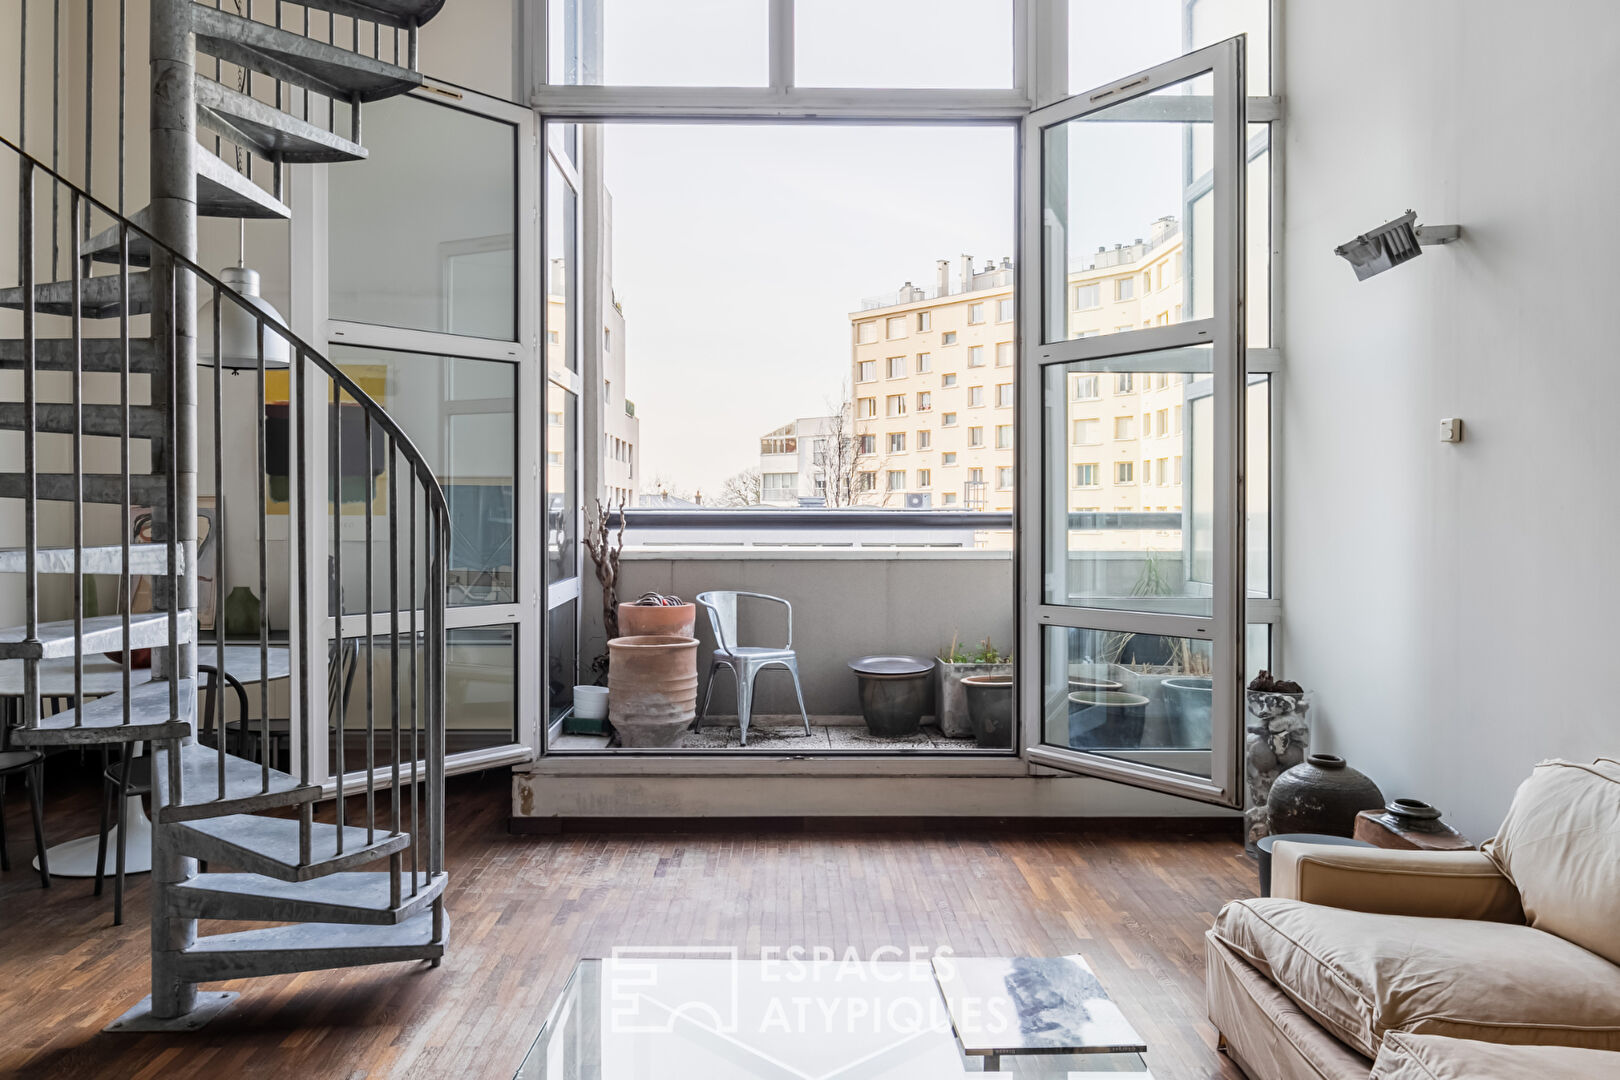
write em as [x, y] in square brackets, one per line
[1453, 604]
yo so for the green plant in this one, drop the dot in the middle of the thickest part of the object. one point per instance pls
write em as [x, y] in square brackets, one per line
[984, 653]
[1185, 658]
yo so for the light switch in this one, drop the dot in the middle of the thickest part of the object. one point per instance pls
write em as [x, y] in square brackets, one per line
[1451, 430]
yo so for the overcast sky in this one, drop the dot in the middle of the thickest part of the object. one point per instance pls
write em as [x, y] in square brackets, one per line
[739, 251]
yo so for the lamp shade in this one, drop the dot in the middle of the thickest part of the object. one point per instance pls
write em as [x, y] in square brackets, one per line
[239, 331]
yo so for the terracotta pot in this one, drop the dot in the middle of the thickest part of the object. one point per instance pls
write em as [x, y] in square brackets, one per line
[652, 688]
[639, 620]
[1321, 795]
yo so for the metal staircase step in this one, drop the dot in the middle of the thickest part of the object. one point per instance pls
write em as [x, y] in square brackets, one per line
[245, 788]
[102, 633]
[100, 298]
[224, 192]
[98, 354]
[267, 130]
[269, 846]
[103, 246]
[102, 720]
[399, 13]
[314, 65]
[355, 898]
[145, 489]
[280, 950]
[145, 421]
[103, 559]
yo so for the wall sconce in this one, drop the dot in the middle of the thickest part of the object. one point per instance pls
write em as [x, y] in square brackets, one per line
[1393, 243]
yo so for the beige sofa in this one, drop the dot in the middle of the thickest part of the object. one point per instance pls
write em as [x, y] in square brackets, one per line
[1408, 965]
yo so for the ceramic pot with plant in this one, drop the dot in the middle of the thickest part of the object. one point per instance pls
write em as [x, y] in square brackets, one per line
[990, 708]
[652, 688]
[1106, 718]
[956, 663]
[1188, 700]
[655, 613]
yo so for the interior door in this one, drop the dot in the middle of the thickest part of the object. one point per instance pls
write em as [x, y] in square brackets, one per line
[1131, 584]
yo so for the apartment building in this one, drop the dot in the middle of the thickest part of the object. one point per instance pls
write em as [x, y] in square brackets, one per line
[793, 462]
[619, 453]
[933, 372]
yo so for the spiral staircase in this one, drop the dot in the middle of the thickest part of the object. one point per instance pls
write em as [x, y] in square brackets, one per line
[261, 89]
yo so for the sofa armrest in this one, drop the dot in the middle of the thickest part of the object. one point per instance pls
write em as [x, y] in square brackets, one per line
[1436, 884]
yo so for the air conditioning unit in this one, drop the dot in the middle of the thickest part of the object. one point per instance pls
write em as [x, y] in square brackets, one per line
[919, 502]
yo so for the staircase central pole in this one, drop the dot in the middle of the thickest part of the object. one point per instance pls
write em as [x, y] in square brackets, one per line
[173, 180]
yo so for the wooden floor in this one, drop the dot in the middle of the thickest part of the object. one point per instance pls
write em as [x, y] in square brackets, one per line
[524, 908]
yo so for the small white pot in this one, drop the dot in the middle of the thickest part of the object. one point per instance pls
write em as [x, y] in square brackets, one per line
[591, 702]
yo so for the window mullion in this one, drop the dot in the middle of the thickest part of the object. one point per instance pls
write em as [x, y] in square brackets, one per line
[781, 45]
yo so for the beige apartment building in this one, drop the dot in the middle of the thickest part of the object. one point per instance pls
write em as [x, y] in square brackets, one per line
[933, 377]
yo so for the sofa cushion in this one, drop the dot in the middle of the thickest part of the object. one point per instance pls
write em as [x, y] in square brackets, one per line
[1560, 846]
[1362, 974]
[1433, 1057]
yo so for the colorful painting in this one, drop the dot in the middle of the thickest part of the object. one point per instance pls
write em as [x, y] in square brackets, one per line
[355, 487]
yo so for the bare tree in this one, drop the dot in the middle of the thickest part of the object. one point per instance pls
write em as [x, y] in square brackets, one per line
[745, 488]
[843, 464]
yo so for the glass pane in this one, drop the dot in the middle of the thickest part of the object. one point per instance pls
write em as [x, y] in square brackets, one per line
[1136, 697]
[1129, 215]
[421, 230]
[658, 43]
[461, 414]
[480, 696]
[562, 480]
[1109, 40]
[1256, 651]
[563, 660]
[562, 273]
[928, 44]
[1257, 224]
[1129, 481]
[1257, 421]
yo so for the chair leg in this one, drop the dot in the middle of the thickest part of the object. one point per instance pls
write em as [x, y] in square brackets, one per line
[745, 698]
[106, 816]
[793, 669]
[5, 855]
[36, 796]
[123, 837]
[697, 725]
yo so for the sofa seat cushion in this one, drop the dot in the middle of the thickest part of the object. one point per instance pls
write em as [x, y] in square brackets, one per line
[1434, 1057]
[1362, 974]
[1558, 846]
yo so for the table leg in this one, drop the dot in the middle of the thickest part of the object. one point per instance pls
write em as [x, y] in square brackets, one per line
[992, 1063]
[77, 858]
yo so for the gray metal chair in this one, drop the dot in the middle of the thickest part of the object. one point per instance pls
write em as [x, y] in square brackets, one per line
[746, 661]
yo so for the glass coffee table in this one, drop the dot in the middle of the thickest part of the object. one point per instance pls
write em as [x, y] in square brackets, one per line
[677, 1014]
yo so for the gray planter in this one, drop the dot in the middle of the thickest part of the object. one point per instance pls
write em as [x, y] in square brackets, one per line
[950, 698]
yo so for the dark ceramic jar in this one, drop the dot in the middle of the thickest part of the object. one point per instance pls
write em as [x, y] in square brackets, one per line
[1321, 795]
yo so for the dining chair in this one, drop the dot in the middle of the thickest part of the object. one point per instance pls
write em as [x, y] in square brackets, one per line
[30, 765]
[745, 661]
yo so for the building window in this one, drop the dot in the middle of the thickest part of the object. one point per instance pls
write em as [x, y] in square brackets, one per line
[950, 458]
[866, 371]
[1086, 433]
[1004, 310]
[975, 436]
[1124, 329]
[868, 444]
[1147, 425]
[1085, 475]
[554, 419]
[1004, 477]
[1163, 423]
[925, 320]
[975, 476]
[778, 487]
[553, 337]
[894, 405]
[866, 332]
[925, 478]
[925, 401]
[1124, 288]
[866, 481]
[1085, 388]
[948, 379]
[897, 367]
[975, 396]
[554, 457]
[1147, 282]
[1124, 427]
[1087, 296]
[975, 314]
[925, 439]
[948, 499]
[1161, 471]
[866, 407]
[1124, 472]
[1004, 436]
[1004, 395]
[1177, 469]
[925, 362]
[1004, 354]
[975, 356]
[895, 327]
[947, 420]
[897, 479]
[948, 338]
[1123, 382]
[1177, 414]
[897, 442]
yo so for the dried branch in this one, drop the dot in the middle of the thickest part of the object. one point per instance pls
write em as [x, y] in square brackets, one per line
[605, 551]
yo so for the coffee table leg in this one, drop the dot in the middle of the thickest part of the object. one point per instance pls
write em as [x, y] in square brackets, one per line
[992, 1063]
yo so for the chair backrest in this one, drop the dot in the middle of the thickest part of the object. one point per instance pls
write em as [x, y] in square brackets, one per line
[721, 606]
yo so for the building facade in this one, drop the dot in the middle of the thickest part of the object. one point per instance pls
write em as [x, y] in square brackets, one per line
[794, 462]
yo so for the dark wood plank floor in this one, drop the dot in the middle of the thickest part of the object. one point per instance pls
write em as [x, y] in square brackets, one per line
[524, 908]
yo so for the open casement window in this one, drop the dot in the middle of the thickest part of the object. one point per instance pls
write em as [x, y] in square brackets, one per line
[1131, 590]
